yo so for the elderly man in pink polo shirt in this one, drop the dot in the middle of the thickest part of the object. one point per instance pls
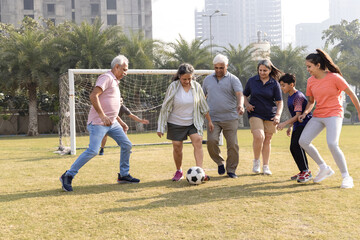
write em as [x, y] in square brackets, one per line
[103, 119]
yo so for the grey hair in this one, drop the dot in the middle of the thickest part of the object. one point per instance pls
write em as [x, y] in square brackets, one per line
[120, 59]
[221, 59]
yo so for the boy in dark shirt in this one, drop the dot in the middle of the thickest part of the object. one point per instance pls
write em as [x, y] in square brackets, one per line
[296, 104]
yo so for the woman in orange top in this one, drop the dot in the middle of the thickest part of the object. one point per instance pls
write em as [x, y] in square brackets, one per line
[325, 87]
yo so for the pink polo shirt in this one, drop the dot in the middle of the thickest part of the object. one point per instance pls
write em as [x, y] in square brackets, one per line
[327, 94]
[109, 99]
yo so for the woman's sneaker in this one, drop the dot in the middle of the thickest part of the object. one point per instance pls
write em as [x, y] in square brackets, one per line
[256, 166]
[266, 170]
[177, 176]
[323, 173]
[347, 182]
[304, 177]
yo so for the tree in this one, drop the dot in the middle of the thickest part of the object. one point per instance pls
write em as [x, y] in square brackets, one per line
[291, 60]
[88, 45]
[138, 49]
[241, 62]
[346, 35]
[26, 62]
[193, 52]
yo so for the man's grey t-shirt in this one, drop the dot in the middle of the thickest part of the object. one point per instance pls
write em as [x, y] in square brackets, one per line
[221, 96]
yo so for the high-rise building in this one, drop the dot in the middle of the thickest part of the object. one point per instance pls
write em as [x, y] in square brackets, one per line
[309, 34]
[135, 15]
[239, 22]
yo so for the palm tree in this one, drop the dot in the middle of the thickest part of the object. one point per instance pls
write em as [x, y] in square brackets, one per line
[241, 62]
[139, 49]
[88, 45]
[291, 60]
[193, 52]
[26, 63]
[345, 35]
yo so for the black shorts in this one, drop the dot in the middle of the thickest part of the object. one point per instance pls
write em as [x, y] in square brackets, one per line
[179, 133]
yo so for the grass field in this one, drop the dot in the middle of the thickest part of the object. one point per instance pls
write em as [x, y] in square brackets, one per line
[33, 206]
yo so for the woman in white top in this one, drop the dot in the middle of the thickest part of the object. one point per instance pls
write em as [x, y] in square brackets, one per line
[183, 111]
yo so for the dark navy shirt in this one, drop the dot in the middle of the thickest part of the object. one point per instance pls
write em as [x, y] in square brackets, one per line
[123, 110]
[263, 97]
[297, 103]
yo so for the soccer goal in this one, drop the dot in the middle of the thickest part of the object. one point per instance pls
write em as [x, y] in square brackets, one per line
[142, 90]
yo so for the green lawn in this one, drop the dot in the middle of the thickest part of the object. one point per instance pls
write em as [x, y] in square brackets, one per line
[33, 206]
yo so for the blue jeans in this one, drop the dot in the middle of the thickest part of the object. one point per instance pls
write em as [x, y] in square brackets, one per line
[97, 132]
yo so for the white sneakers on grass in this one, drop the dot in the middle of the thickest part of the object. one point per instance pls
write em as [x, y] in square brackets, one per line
[323, 173]
[347, 182]
[266, 170]
[256, 166]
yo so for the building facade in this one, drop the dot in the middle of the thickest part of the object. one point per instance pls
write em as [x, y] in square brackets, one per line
[239, 22]
[135, 15]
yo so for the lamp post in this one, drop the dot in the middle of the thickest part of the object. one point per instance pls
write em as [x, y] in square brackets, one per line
[210, 16]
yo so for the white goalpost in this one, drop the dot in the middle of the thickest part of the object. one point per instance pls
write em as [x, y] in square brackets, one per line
[143, 91]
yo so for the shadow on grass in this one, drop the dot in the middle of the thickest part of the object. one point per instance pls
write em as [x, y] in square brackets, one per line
[89, 189]
[191, 195]
[188, 195]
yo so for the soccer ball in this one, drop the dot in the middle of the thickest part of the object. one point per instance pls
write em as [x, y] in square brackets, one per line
[195, 175]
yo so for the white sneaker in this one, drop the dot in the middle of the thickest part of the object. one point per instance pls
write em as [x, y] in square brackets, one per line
[323, 173]
[266, 170]
[347, 182]
[256, 166]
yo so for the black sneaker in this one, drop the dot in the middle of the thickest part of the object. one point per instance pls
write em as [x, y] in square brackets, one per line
[232, 175]
[221, 169]
[127, 179]
[66, 182]
[101, 151]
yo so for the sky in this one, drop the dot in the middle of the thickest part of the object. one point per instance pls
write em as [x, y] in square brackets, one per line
[174, 17]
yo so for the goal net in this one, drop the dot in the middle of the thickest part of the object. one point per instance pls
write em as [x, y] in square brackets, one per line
[142, 90]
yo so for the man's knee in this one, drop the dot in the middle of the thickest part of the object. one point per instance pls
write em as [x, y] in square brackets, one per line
[127, 145]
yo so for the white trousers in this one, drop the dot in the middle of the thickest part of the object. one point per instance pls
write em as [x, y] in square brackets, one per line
[333, 127]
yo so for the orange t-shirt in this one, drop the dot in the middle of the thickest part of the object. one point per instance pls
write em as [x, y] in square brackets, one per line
[327, 94]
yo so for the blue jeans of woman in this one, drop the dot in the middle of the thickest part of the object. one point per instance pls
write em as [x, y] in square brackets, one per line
[97, 132]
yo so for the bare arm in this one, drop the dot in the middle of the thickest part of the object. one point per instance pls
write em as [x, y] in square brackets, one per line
[308, 108]
[290, 121]
[210, 124]
[136, 118]
[240, 103]
[247, 104]
[94, 99]
[280, 106]
[354, 99]
[122, 124]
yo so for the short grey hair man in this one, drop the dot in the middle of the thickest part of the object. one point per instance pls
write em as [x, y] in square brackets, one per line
[220, 59]
[120, 59]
